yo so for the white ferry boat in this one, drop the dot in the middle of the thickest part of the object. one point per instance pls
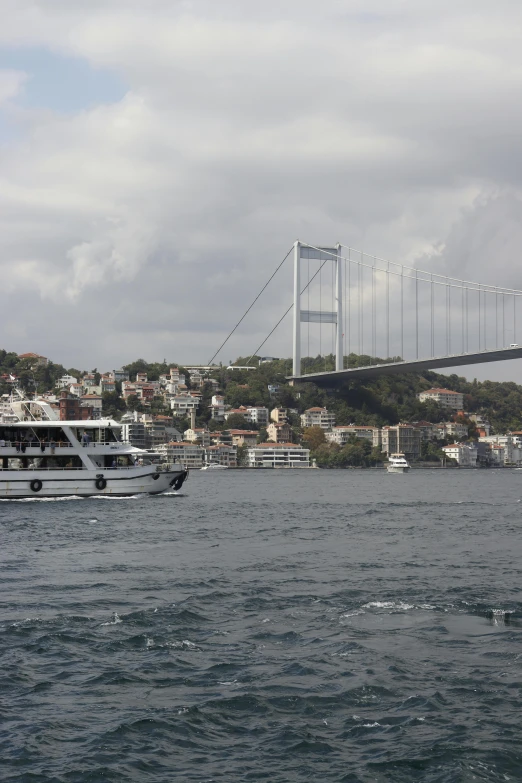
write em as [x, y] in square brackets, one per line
[41, 456]
[397, 463]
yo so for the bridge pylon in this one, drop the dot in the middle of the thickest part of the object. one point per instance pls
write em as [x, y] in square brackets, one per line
[323, 255]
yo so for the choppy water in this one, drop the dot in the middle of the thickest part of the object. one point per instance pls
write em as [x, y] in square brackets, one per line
[279, 626]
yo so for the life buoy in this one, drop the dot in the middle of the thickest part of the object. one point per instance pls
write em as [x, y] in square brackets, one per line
[36, 485]
[100, 483]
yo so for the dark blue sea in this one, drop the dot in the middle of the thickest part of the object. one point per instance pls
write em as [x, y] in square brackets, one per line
[266, 626]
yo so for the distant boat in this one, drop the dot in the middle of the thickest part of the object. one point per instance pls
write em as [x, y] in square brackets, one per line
[397, 464]
[214, 466]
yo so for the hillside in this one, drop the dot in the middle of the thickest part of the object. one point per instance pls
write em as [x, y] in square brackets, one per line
[387, 400]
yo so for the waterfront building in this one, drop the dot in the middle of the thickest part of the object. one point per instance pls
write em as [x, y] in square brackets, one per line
[190, 455]
[221, 454]
[318, 417]
[278, 455]
[401, 439]
[465, 454]
[445, 397]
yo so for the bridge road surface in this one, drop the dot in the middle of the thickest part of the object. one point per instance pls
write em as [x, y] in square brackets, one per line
[336, 377]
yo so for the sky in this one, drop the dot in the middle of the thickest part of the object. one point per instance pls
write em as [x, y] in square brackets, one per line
[158, 160]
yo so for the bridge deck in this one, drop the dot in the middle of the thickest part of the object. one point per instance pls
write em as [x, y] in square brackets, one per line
[416, 365]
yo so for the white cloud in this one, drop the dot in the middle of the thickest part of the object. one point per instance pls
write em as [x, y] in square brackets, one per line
[243, 128]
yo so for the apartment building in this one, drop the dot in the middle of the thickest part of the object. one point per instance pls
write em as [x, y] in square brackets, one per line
[401, 439]
[444, 397]
[197, 435]
[279, 433]
[279, 415]
[465, 454]
[190, 455]
[318, 417]
[244, 437]
[278, 455]
[183, 404]
[341, 434]
[453, 429]
[221, 454]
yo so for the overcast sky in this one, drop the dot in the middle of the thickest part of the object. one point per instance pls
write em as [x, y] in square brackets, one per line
[155, 166]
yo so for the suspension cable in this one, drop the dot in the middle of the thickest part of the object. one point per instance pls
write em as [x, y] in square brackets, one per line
[251, 306]
[286, 313]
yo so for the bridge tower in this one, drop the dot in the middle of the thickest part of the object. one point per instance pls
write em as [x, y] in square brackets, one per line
[323, 254]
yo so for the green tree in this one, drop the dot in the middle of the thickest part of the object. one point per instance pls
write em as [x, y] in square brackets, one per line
[237, 422]
[134, 403]
[263, 436]
[313, 437]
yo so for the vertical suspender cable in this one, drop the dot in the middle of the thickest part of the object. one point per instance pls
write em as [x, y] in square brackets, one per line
[462, 314]
[332, 309]
[449, 315]
[388, 310]
[416, 315]
[402, 312]
[308, 324]
[496, 318]
[447, 319]
[320, 309]
[514, 320]
[480, 320]
[361, 319]
[432, 333]
[485, 320]
[467, 322]
[374, 336]
[503, 321]
[349, 302]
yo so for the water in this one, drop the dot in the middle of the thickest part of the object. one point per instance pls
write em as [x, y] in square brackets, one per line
[280, 626]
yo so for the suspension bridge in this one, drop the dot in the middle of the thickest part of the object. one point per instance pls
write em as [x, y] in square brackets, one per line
[354, 307]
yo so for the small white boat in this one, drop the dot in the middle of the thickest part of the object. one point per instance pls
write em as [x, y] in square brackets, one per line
[214, 466]
[397, 463]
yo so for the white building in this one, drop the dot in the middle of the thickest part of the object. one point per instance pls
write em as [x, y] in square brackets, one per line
[187, 454]
[76, 389]
[465, 454]
[257, 414]
[278, 455]
[444, 397]
[199, 434]
[342, 434]
[221, 454]
[183, 404]
[65, 381]
[511, 444]
[318, 417]
[217, 407]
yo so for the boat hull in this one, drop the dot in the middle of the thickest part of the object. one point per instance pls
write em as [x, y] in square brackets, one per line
[88, 483]
[397, 469]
